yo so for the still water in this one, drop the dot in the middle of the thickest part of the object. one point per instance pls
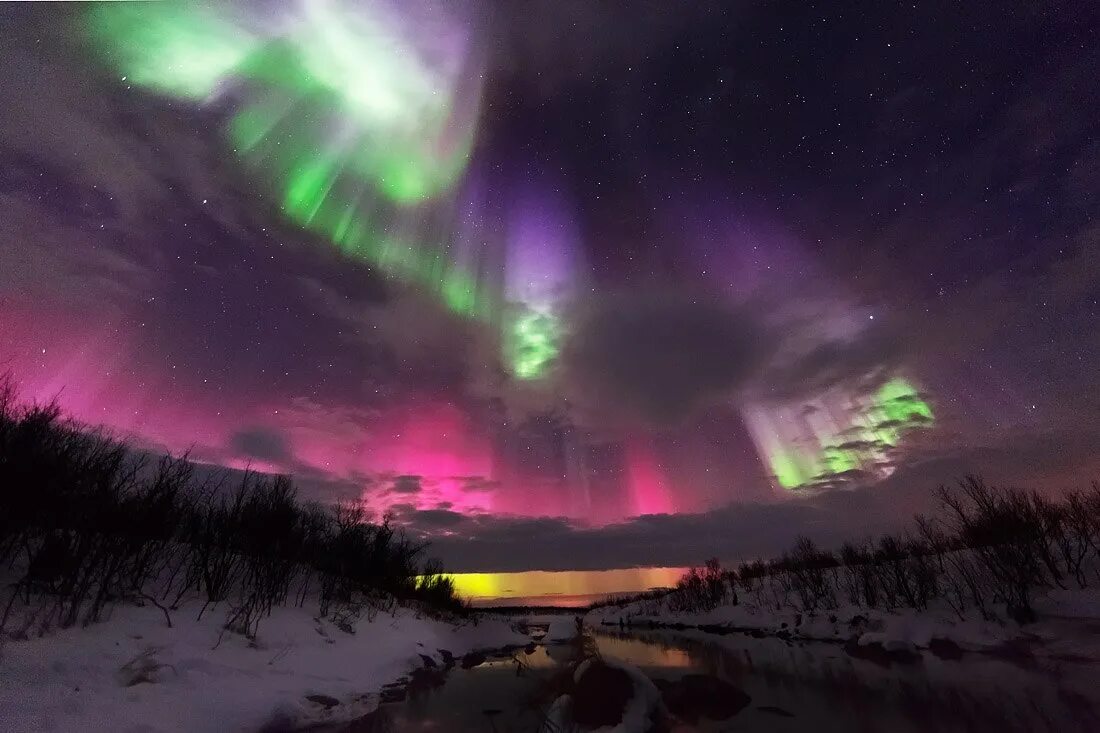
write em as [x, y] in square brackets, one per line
[793, 687]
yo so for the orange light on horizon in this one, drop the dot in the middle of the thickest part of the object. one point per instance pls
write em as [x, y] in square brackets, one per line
[544, 587]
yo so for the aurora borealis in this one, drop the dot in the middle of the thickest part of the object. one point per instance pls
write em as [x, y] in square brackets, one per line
[563, 287]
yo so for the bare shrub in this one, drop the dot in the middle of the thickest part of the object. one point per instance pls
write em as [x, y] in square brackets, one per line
[86, 522]
[987, 547]
[810, 573]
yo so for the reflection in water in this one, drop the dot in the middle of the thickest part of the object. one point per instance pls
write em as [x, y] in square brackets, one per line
[820, 683]
[793, 687]
[627, 648]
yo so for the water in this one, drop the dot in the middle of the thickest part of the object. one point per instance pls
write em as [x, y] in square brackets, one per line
[793, 686]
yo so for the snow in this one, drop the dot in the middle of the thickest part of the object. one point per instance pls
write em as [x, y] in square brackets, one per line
[1066, 626]
[561, 629]
[131, 673]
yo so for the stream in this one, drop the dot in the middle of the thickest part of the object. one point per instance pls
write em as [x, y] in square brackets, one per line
[793, 686]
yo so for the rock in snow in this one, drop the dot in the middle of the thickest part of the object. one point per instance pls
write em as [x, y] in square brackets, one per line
[608, 696]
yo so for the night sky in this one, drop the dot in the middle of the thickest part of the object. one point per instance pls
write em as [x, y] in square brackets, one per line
[565, 286]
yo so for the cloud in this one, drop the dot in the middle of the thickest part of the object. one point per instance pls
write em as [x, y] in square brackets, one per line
[434, 519]
[662, 356]
[406, 485]
[861, 360]
[860, 445]
[477, 483]
[830, 513]
[421, 343]
[262, 443]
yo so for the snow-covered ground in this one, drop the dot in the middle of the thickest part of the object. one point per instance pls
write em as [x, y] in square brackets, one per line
[132, 673]
[1068, 624]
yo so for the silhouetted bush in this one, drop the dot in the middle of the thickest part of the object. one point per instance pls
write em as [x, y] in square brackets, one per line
[810, 573]
[85, 522]
[988, 547]
[654, 596]
[703, 589]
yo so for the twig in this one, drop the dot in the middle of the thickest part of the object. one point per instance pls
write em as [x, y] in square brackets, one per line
[154, 601]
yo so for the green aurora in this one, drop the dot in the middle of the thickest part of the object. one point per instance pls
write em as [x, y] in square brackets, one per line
[346, 125]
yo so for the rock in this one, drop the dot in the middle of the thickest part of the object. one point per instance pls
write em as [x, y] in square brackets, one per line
[600, 695]
[424, 678]
[773, 710]
[472, 660]
[696, 696]
[1016, 651]
[429, 663]
[323, 700]
[392, 693]
[945, 649]
[877, 653]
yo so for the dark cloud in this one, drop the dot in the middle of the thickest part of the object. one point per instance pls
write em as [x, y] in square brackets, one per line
[261, 443]
[830, 513]
[433, 519]
[860, 362]
[406, 485]
[661, 356]
[477, 483]
[859, 445]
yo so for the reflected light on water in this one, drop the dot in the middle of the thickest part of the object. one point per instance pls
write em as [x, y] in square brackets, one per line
[641, 654]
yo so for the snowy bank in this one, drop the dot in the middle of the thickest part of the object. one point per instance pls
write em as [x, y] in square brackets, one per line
[1065, 627]
[133, 673]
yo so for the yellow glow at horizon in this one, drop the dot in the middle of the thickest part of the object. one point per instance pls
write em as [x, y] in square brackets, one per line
[535, 583]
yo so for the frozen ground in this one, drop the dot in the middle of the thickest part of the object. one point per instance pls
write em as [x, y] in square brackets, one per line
[132, 673]
[1068, 625]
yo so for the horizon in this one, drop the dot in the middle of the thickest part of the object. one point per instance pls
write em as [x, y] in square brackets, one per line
[562, 588]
